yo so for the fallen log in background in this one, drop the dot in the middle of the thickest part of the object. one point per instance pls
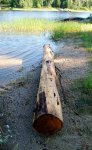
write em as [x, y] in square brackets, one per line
[48, 111]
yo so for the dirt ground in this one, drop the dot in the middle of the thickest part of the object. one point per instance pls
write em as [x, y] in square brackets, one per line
[19, 101]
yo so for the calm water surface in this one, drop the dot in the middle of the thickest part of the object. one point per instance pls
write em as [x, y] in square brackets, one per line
[20, 52]
[52, 15]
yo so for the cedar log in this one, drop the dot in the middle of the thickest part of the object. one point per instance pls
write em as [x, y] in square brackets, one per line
[48, 111]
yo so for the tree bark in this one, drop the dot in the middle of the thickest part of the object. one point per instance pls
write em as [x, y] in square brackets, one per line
[48, 111]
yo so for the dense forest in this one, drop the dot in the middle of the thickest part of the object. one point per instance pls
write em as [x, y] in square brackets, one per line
[73, 4]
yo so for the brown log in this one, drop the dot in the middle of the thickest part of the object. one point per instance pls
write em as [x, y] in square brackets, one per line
[48, 112]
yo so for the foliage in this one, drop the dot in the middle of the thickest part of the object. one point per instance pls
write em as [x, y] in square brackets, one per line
[56, 3]
[87, 40]
[25, 4]
[84, 87]
[38, 3]
[14, 3]
[58, 29]
[48, 3]
[75, 4]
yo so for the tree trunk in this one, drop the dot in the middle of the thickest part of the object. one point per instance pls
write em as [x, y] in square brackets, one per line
[48, 112]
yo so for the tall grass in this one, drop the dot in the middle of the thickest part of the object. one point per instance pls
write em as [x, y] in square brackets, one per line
[58, 29]
[28, 25]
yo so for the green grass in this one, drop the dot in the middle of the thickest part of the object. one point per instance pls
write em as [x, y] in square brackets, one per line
[87, 40]
[84, 86]
[70, 28]
[58, 29]
[75, 29]
[67, 29]
[28, 26]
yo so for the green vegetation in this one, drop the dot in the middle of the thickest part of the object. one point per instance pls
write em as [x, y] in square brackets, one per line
[58, 29]
[84, 104]
[87, 40]
[29, 26]
[86, 85]
[79, 4]
[69, 29]
[70, 4]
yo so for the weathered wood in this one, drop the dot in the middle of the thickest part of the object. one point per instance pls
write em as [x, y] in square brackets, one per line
[48, 112]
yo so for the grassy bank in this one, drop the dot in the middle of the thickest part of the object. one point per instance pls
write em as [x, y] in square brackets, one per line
[28, 26]
[39, 25]
[58, 29]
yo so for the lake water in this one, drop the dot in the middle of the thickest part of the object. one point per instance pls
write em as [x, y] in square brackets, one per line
[21, 52]
[51, 15]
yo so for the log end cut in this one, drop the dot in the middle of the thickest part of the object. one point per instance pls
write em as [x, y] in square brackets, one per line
[47, 124]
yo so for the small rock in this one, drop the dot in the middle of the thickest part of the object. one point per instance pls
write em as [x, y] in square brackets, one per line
[20, 69]
[44, 149]
[21, 83]
[1, 115]
[7, 126]
[2, 90]
[7, 87]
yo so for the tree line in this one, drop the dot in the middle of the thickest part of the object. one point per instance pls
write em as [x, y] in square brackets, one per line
[48, 3]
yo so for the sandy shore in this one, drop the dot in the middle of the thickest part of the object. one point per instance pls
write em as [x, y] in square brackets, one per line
[19, 101]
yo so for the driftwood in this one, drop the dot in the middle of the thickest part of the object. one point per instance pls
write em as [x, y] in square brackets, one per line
[74, 19]
[88, 19]
[48, 112]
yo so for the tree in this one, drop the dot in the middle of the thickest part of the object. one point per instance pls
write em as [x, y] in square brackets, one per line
[5, 1]
[56, 3]
[69, 3]
[63, 3]
[38, 3]
[26, 3]
[48, 3]
[14, 3]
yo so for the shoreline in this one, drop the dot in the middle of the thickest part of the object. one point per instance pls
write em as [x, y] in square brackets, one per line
[44, 9]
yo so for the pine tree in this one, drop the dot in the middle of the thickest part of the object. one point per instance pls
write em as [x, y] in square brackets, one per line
[38, 3]
[56, 3]
[27, 3]
[48, 2]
